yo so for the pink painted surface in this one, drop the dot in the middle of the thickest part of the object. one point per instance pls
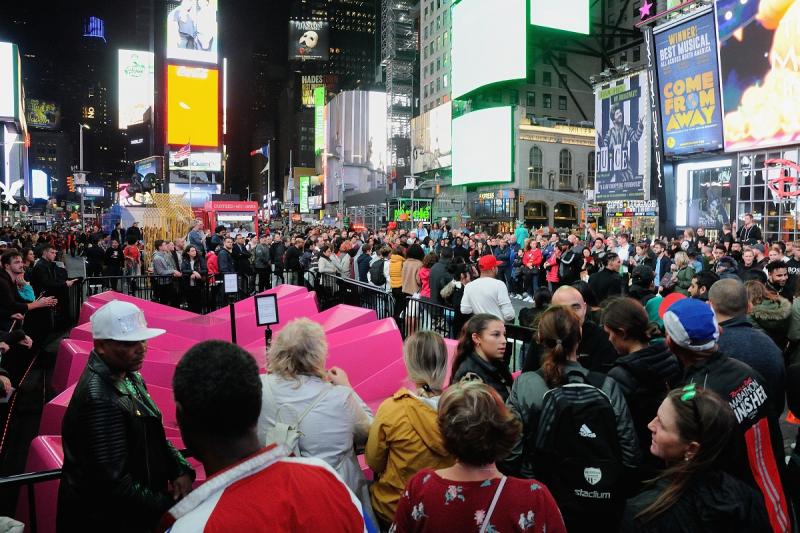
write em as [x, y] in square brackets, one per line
[70, 360]
[54, 410]
[167, 342]
[151, 309]
[363, 351]
[247, 305]
[343, 317]
[45, 453]
[247, 331]
[451, 354]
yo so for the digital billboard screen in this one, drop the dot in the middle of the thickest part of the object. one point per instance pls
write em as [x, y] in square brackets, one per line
[40, 184]
[688, 78]
[551, 14]
[623, 140]
[192, 106]
[42, 114]
[150, 165]
[308, 39]
[199, 161]
[9, 81]
[488, 43]
[303, 196]
[192, 31]
[201, 192]
[136, 75]
[758, 67]
[483, 146]
[431, 138]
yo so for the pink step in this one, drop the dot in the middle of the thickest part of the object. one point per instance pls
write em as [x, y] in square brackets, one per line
[70, 362]
[363, 351]
[167, 342]
[54, 410]
[45, 453]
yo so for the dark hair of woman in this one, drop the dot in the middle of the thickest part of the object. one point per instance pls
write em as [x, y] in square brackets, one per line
[560, 334]
[628, 318]
[477, 324]
[542, 298]
[588, 294]
[705, 419]
[415, 251]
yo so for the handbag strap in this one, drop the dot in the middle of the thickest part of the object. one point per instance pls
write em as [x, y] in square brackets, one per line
[485, 523]
[322, 394]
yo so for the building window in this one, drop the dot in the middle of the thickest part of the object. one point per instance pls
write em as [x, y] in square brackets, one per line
[438, 64]
[637, 54]
[547, 101]
[562, 103]
[536, 210]
[530, 101]
[547, 79]
[532, 77]
[445, 82]
[565, 169]
[562, 59]
[562, 81]
[535, 168]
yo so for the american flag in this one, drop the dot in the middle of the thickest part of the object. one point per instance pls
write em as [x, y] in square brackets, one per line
[183, 153]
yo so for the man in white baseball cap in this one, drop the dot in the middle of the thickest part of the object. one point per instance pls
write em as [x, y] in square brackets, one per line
[117, 460]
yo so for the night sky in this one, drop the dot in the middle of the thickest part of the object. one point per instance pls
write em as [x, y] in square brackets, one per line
[52, 29]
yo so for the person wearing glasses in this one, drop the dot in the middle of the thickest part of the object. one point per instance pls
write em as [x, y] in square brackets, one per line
[756, 456]
[691, 433]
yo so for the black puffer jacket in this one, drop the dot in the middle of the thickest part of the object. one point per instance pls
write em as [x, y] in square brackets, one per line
[495, 373]
[715, 503]
[645, 377]
[117, 460]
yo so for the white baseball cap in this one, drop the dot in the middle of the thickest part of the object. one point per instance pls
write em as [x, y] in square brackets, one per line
[122, 321]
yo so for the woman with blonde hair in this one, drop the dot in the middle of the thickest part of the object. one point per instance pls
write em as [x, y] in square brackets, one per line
[405, 438]
[683, 273]
[331, 419]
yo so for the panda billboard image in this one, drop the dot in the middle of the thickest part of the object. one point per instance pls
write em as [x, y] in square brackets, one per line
[308, 40]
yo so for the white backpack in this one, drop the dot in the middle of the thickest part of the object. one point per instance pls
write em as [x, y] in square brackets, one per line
[289, 434]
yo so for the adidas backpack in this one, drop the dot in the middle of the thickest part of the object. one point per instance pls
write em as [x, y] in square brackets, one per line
[576, 450]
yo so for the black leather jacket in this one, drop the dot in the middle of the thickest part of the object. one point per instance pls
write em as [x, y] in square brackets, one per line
[117, 460]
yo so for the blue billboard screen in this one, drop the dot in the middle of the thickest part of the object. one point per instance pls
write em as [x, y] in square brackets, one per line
[688, 79]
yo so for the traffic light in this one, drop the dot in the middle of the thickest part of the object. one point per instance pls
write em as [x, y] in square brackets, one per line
[70, 184]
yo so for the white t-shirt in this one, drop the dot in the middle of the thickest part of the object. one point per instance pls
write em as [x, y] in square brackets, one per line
[488, 295]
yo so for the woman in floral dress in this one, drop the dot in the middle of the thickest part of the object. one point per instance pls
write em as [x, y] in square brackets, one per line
[473, 495]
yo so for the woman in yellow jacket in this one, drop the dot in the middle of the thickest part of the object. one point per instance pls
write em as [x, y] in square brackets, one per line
[404, 437]
[396, 280]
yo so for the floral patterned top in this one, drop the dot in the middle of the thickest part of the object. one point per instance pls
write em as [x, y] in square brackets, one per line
[432, 503]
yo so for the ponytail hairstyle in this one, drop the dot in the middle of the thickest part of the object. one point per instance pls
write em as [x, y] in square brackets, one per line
[477, 324]
[560, 334]
[628, 318]
[702, 417]
[425, 356]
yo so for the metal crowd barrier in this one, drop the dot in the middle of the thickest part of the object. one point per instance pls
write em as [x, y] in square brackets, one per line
[333, 290]
[29, 481]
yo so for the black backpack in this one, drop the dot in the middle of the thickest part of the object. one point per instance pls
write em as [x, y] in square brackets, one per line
[569, 267]
[376, 275]
[576, 450]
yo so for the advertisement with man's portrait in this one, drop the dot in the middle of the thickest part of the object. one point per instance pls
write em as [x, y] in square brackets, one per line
[623, 138]
[192, 31]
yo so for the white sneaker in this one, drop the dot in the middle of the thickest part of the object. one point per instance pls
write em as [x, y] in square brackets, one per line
[529, 300]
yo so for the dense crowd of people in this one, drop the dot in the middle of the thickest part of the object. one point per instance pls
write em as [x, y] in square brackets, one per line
[648, 398]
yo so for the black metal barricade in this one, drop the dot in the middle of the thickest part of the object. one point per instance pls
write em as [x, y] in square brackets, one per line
[333, 290]
[423, 315]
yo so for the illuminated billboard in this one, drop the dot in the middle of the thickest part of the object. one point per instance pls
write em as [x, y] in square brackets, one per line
[431, 138]
[10, 90]
[759, 73]
[42, 114]
[192, 31]
[192, 106]
[150, 165]
[308, 39]
[303, 196]
[550, 13]
[309, 84]
[686, 62]
[483, 146]
[319, 120]
[201, 192]
[488, 43]
[622, 152]
[136, 74]
[199, 161]
[40, 184]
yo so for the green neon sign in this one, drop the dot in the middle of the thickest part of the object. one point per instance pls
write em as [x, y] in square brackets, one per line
[405, 213]
[319, 120]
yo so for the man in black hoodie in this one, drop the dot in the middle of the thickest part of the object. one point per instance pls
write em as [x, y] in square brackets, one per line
[440, 275]
[756, 455]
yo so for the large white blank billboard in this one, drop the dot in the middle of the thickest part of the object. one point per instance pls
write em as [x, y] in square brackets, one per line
[488, 43]
[483, 146]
